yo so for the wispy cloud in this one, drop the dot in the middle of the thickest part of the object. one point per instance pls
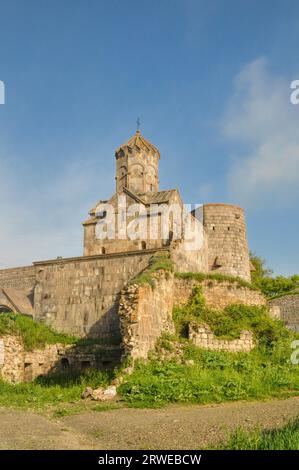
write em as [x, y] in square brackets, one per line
[262, 123]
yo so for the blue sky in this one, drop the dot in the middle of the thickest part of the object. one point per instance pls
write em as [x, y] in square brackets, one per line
[210, 81]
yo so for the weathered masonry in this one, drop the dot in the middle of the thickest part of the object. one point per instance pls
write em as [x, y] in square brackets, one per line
[81, 295]
[287, 309]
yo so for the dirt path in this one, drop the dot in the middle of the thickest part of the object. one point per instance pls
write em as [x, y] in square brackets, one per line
[174, 427]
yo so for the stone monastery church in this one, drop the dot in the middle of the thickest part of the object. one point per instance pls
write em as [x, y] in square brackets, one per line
[81, 295]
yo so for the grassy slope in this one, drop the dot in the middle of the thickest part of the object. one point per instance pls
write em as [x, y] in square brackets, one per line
[285, 438]
[160, 261]
[34, 334]
[52, 390]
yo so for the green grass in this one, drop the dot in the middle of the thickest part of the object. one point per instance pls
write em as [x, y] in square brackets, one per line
[160, 261]
[35, 335]
[51, 390]
[212, 377]
[275, 287]
[284, 438]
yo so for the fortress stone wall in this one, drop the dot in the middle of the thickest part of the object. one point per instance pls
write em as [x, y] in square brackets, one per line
[225, 227]
[18, 278]
[80, 295]
[287, 309]
[217, 294]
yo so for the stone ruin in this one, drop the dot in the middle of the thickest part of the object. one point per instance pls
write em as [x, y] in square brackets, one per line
[88, 295]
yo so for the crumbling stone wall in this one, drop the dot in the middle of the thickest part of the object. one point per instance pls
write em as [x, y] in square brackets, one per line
[217, 294]
[287, 309]
[11, 359]
[202, 336]
[145, 312]
[18, 365]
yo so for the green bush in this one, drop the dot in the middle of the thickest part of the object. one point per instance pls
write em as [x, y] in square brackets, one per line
[272, 287]
[279, 286]
[229, 322]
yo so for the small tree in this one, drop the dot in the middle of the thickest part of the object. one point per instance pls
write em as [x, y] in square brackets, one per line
[260, 268]
[262, 277]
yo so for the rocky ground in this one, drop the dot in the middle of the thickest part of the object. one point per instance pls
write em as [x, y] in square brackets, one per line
[174, 427]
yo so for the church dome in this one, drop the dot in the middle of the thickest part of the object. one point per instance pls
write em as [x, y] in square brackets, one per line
[138, 142]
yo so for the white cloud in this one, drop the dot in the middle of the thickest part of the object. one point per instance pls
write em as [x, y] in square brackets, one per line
[261, 121]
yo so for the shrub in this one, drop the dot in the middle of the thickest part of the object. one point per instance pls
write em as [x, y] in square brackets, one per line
[229, 322]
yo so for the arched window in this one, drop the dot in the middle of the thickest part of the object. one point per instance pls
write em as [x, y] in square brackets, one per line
[102, 214]
[103, 251]
[143, 245]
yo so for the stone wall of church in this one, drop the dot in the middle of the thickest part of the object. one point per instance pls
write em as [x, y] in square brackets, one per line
[129, 231]
[188, 258]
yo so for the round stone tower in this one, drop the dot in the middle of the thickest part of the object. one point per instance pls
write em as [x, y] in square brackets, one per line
[225, 227]
[137, 165]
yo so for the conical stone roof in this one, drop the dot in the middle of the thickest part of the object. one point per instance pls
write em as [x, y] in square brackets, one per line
[140, 143]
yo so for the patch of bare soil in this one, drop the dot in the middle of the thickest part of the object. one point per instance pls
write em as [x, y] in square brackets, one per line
[174, 427]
